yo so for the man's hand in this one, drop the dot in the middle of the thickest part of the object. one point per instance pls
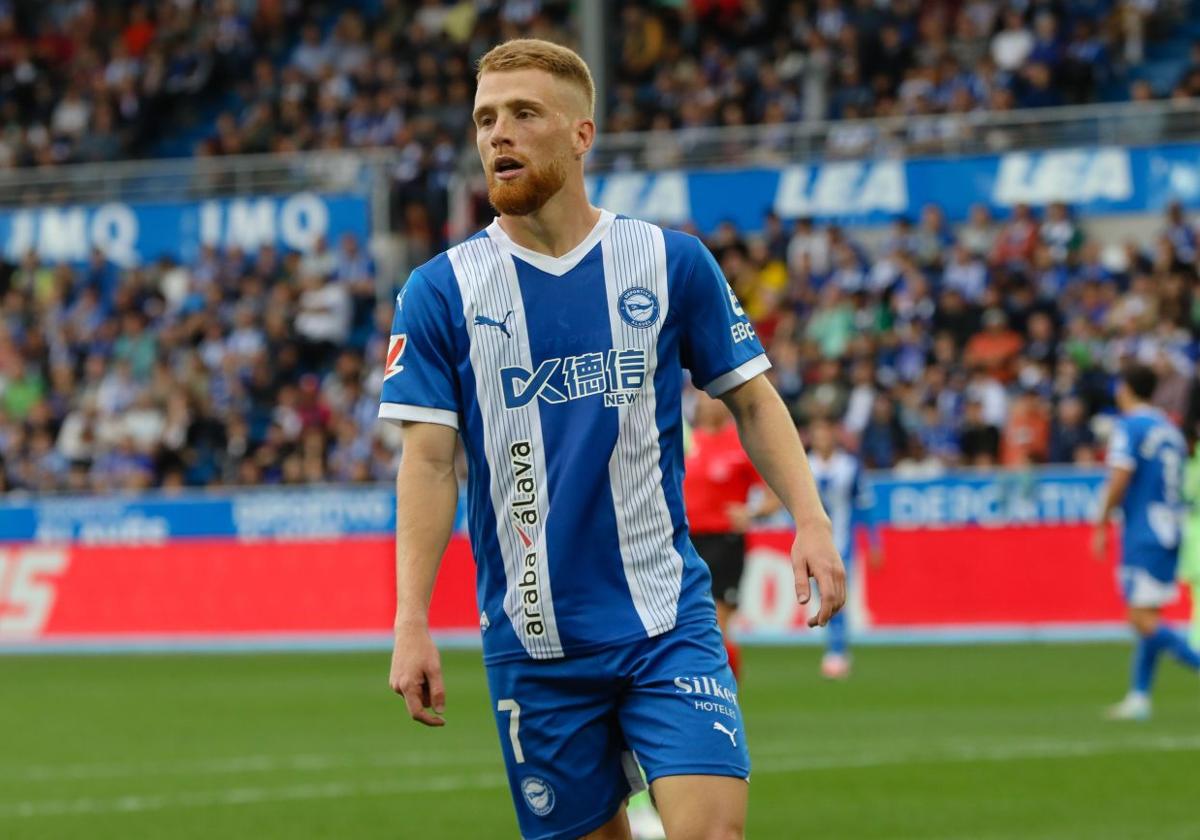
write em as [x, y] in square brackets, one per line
[1100, 541]
[813, 555]
[739, 517]
[417, 673]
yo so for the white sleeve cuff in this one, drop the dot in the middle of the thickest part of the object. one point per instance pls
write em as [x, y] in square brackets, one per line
[1121, 462]
[399, 412]
[742, 373]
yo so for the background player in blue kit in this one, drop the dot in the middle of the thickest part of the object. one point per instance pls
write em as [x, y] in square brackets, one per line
[554, 342]
[846, 499]
[1146, 457]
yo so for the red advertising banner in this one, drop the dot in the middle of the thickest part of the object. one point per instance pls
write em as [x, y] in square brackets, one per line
[1034, 574]
[970, 577]
[961, 578]
[217, 587]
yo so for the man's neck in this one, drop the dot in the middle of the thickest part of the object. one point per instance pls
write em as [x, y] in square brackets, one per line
[557, 226]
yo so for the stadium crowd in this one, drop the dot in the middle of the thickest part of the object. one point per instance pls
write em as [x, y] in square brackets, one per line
[932, 71]
[96, 81]
[239, 368]
[991, 344]
[738, 62]
[995, 344]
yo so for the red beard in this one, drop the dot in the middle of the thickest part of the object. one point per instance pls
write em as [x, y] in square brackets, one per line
[530, 192]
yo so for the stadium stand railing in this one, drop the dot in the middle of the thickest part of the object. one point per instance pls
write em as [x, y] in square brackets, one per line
[359, 171]
[1121, 124]
[368, 171]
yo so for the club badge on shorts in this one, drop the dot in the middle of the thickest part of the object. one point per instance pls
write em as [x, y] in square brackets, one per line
[539, 796]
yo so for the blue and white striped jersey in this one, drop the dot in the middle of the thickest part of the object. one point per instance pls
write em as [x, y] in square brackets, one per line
[843, 494]
[1146, 442]
[563, 377]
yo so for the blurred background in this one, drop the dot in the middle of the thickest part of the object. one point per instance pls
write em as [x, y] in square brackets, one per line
[950, 221]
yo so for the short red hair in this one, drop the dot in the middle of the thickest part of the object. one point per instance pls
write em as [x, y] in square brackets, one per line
[536, 54]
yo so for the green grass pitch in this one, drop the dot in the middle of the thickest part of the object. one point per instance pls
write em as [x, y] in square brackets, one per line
[934, 742]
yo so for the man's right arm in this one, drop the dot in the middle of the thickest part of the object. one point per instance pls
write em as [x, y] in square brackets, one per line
[426, 497]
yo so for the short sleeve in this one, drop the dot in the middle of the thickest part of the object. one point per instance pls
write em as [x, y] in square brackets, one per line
[419, 378]
[1120, 447]
[719, 345]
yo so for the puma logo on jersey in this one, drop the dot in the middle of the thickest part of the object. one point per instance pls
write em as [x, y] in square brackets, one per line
[502, 325]
[718, 727]
[395, 350]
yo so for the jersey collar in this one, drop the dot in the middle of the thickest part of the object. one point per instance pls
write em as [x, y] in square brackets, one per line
[558, 266]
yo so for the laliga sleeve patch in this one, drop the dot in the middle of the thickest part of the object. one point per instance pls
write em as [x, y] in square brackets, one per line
[395, 350]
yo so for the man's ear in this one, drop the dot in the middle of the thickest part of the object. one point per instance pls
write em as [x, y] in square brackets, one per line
[585, 137]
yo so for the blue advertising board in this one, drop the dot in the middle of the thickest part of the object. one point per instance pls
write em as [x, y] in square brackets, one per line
[132, 234]
[1042, 496]
[1092, 180]
[1035, 497]
[267, 513]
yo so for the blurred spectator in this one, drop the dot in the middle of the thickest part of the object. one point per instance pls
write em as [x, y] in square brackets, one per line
[1026, 437]
[883, 440]
[1173, 390]
[1071, 439]
[323, 319]
[1059, 233]
[978, 236]
[1017, 239]
[1180, 233]
[996, 347]
[966, 274]
[979, 441]
[1013, 44]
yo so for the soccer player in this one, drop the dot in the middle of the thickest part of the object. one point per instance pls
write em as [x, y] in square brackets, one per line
[1146, 454]
[846, 500]
[554, 343]
[718, 478]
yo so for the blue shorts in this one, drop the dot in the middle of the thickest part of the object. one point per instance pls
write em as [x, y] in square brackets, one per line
[574, 730]
[1139, 588]
[1158, 562]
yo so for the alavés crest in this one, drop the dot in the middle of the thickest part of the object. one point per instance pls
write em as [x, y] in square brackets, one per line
[638, 307]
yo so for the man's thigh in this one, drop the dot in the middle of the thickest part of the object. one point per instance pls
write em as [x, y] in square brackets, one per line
[679, 711]
[569, 770]
[702, 807]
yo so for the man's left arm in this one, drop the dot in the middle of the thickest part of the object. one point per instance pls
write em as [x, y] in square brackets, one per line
[1114, 494]
[1121, 464]
[769, 437]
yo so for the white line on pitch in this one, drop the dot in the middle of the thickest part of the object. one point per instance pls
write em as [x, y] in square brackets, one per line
[1016, 751]
[247, 796]
[952, 753]
[243, 764]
